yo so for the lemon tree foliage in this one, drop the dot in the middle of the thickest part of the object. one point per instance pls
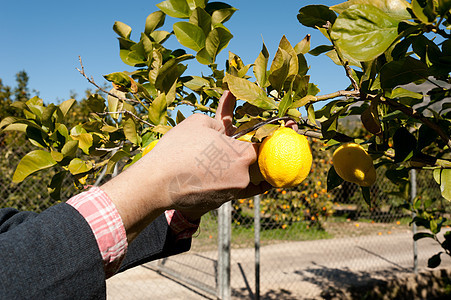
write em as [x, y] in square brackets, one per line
[396, 54]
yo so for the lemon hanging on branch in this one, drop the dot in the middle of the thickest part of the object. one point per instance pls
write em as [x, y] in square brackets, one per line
[352, 163]
[285, 158]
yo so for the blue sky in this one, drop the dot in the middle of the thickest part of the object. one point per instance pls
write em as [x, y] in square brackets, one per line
[45, 38]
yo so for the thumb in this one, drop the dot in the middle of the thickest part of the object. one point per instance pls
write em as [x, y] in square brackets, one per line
[224, 112]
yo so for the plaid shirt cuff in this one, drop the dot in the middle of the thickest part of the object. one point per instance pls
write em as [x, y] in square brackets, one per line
[180, 226]
[106, 224]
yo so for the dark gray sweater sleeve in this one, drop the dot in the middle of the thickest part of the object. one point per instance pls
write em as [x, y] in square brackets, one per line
[51, 255]
[54, 254]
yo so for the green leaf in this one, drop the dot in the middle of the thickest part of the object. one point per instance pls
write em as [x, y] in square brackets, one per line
[366, 194]
[85, 141]
[285, 104]
[70, 148]
[122, 29]
[444, 6]
[260, 65]
[196, 3]
[316, 16]
[114, 104]
[153, 21]
[196, 83]
[114, 159]
[303, 101]
[321, 49]
[398, 175]
[78, 166]
[201, 18]
[395, 8]
[300, 86]
[294, 65]
[54, 187]
[96, 103]
[130, 130]
[404, 144]
[204, 57]
[265, 130]
[175, 8]
[216, 41]
[119, 78]
[402, 72]
[36, 136]
[159, 36]
[435, 260]
[124, 50]
[311, 114]
[170, 72]
[222, 15]
[443, 178]
[180, 117]
[245, 90]
[333, 179]
[66, 106]
[426, 136]
[402, 93]
[364, 32]
[303, 47]
[190, 35]
[424, 10]
[158, 110]
[329, 126]
[279, 69]
[421, 235]
[32, 162]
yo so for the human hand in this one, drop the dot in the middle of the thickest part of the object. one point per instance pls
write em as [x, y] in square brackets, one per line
[194, 168]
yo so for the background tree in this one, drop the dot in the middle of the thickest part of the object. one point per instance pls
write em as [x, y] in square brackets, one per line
[386, 48]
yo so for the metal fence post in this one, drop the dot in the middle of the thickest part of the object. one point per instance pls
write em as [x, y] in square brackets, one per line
[224, 241]
[257, 245]
[413, 194]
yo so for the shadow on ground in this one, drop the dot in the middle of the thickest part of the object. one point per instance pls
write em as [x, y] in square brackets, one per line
[395, 283]
[281, 294]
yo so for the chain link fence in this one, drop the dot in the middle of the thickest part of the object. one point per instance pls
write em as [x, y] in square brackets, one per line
[311, 242]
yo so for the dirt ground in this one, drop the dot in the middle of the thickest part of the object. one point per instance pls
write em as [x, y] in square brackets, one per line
[289, 270]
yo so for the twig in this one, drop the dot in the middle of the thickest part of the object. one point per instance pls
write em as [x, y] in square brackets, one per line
[199, 106]
[344, 63]
[91, 81]
[109, 149]
[335, 95]
[127, 112]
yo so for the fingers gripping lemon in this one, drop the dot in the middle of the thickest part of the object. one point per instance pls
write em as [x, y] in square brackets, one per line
[352, 163]
[285, 158]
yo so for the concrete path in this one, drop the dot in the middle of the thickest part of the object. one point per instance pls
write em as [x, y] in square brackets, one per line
[291, 270]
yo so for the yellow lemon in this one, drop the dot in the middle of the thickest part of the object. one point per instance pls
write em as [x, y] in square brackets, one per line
[149, 147]
[352, 163]
[285, 158]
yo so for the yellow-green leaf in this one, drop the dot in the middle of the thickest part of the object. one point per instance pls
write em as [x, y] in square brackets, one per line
[189, 35]
[32, 162]
[78, 166]
[84, 141]
[158, 110]
[130, 130]
[249, 92]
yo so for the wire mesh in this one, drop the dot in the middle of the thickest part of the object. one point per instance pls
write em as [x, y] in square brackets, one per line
[312, 241]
